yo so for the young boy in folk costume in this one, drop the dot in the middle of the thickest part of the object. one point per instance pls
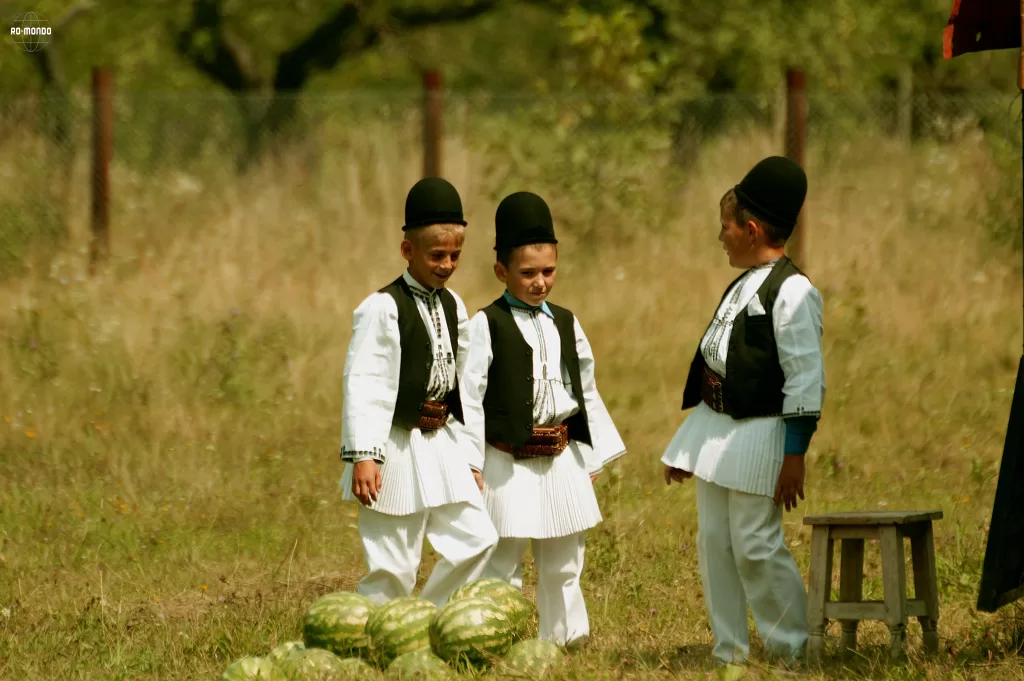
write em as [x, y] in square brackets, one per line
[402, 415]
[758, 384]
[533, 411]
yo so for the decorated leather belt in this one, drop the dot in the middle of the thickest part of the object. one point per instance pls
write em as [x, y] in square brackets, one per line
[711, 391]
[433, 416]
[545, 441]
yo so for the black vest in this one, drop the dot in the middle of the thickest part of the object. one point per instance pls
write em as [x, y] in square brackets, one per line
[418, 354]
[753, 376]
[508, 403]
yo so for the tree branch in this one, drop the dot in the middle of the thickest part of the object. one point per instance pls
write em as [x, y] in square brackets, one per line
[226, 59]
[416, 18]
[346, 33]
[342, 34]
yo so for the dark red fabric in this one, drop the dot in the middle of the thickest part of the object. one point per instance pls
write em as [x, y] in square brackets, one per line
[981, 25]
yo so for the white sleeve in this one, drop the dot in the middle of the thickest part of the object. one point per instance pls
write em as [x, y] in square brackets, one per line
[473, 387]
[797, 323]
[607, 444]
[462, 351]
[370, 383]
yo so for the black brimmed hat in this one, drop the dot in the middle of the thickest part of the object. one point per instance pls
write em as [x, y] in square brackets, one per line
[432, 201]
[774, 190]
[522, 218]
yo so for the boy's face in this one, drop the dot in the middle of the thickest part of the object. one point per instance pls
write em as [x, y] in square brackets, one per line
[433, 253]
[738, 241]
[530, 274]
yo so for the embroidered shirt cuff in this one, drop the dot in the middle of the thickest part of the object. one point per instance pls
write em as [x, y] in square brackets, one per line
[355, 457]
[609, 460]
[799, 430]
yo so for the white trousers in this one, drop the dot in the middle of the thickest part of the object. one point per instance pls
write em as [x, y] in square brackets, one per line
[559, 560]
[462, 534]
[744, 558]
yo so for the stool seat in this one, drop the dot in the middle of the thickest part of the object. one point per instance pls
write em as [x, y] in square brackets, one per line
[872, 518]
[890, 528]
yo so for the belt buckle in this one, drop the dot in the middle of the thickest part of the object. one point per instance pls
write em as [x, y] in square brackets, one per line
[433, 416]
[712, 391]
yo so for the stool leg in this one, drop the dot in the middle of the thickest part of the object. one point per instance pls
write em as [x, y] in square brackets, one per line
[894, 583]
[851, 586]
[922, 547]
[818, 592]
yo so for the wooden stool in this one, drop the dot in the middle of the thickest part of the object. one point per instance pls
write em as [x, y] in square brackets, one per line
[889, 528]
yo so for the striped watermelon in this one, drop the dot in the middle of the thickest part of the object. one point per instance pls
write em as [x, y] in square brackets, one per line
[252, 669]
[336, 622]
[517, 607]
[420, 665]
[472, 630]
[402, 625]
[531, 659]
[354, 669]
[279, 652]
[310, 664]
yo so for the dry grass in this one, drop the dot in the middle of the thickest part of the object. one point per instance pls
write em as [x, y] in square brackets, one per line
[168, 449]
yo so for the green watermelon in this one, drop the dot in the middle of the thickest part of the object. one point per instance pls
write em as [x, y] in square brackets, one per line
[420, 665]
[336, 622]
[252, 669]
[517, 607]
[311, 664]
[279, 652]
[472, 630]
[531, 659]
[354, 669]
[402, 625]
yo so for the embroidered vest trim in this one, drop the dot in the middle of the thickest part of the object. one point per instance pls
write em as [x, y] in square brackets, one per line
[418, 354]
[508, 403]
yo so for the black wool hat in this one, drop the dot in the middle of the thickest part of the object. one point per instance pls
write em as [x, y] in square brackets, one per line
[523, 218]
[774, 190]
[432, 201]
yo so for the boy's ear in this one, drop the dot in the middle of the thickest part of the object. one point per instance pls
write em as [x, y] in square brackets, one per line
[754, 229]
[407, 249]
[500, 272]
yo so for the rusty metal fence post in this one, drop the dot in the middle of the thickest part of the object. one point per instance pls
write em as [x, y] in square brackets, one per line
[796, 140]
[433, 108]
[102, 143]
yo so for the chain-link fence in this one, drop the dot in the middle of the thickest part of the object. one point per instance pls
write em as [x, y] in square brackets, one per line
[606, 159]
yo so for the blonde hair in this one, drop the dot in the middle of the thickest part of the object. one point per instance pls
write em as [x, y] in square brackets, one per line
[423, 237]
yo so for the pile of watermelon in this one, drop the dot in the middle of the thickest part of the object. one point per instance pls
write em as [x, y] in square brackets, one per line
[484, 625]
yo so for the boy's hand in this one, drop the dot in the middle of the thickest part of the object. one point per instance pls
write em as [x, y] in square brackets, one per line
[593, 477]
[479, 477]
[366, 481]
[791, 481]
[676, 475]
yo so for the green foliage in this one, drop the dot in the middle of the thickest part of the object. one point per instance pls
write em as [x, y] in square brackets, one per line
[626, 46]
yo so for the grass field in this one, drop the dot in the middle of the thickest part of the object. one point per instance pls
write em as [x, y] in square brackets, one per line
[168, 448]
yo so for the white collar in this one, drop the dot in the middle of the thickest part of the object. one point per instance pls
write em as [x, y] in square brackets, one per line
[417, 286]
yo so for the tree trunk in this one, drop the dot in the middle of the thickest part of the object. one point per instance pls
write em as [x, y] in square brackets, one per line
[56, 122]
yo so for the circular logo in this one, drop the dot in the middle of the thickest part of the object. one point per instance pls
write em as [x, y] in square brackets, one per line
[30, 31]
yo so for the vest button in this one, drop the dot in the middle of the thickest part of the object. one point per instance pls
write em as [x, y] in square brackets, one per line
[529, 429]
[420, 407]
[529, 402]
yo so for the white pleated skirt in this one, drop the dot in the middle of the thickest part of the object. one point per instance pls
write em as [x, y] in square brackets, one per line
[744, 455]
[540, 498]
[420, 471]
